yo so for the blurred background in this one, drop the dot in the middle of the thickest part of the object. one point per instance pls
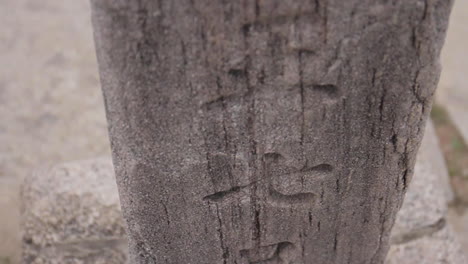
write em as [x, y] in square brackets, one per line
[51, 108]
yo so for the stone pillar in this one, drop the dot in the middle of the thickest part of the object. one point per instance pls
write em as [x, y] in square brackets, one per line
[265, 131]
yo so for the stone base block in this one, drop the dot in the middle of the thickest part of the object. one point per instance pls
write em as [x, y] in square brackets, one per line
[71, 214]
[437, 248]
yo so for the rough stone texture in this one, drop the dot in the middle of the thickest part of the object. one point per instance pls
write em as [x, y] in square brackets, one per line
[424, 203]
[459, 222]
[422, 233]
[265, 131]
[71, 214]
[51, 107]
[440, 247]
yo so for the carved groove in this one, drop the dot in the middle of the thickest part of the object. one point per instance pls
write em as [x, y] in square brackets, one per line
[272, 157]
[285, 200]
[275, 253]
[223, 195]
[279, 19]
[237, 73]
[221, 99]
[325, 168]
[328, 89]
[275, 197]
[216, 101]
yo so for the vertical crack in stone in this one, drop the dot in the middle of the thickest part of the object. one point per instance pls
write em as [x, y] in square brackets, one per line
[250, 98]
[301, 86]
[426, 10]
[381, 104]
[301, 83]
[166, 213]
[224, 249]
[223, 105]
[405, 164]
[325, 22]
[383, 219]
[317, 6]
[415, 88]
[257, 8]
[335, 241]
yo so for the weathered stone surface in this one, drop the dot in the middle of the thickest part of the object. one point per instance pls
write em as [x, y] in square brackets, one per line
[71, 214]
[266, 131]
[441, 247]
[75, 232]
[424, 203]
[422, 233]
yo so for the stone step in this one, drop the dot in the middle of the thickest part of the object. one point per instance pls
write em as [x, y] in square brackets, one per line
[71, 214]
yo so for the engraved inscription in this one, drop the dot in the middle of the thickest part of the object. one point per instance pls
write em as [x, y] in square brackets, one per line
[295, 188]
[292, 187]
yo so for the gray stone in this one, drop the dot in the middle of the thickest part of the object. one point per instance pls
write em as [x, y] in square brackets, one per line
[431, 154]
[71, 214]
[459, 222]
[266, 131]
[421, 233]
[441, 247]
[70, 209]
[424, 203]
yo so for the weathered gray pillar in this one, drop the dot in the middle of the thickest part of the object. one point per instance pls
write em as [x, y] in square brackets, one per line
[265, 131]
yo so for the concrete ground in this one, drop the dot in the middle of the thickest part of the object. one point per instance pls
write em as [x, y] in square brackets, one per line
[51, 106]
